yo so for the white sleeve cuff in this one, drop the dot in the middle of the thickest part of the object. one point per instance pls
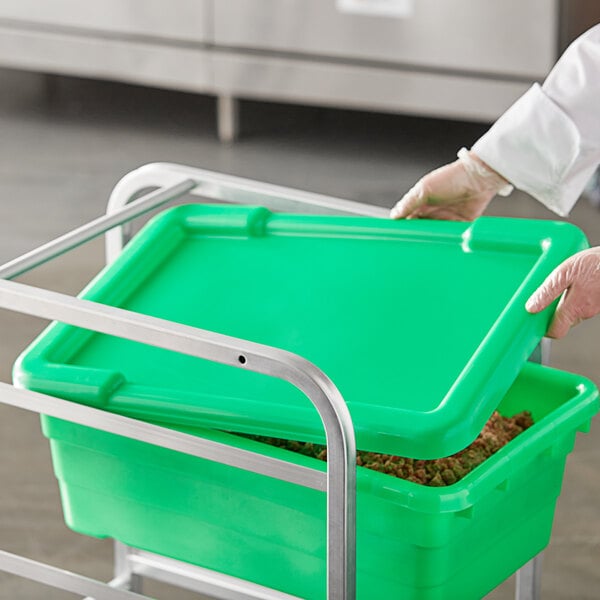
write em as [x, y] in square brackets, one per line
[534, 145]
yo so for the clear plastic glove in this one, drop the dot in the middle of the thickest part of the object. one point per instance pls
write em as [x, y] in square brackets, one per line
[578, 279]
[459, 191]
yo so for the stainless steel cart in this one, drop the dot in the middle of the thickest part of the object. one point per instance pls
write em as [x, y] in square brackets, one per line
[139, 192]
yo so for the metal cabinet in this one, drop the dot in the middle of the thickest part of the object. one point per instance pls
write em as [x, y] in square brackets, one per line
[176, 19]
[465, 59]
[511, 37]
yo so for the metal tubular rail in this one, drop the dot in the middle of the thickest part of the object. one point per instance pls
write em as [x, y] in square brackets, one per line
[222, 188]
[198, 579]
[93, 229]
[61, 579]
[341, 468]
[161, 436]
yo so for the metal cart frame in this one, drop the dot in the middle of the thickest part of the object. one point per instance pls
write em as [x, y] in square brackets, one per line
[131, 198]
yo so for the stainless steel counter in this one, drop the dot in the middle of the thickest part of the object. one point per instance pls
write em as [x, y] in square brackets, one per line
[461, 59]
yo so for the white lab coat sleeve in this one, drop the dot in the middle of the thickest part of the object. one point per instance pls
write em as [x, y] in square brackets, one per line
[548, 143]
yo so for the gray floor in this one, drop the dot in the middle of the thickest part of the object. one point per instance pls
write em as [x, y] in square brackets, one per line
[63, 148]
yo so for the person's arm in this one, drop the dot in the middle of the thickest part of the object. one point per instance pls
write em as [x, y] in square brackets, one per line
[547, 144]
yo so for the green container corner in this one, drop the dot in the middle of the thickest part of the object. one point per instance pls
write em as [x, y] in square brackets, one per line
[413, 542]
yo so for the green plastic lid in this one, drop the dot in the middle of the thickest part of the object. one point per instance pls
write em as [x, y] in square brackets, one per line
[420, 324]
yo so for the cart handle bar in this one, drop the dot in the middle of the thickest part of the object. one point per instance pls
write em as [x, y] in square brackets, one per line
[220, 187]
[93, 229]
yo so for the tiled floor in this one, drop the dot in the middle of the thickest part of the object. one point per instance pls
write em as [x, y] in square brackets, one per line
[60, 155]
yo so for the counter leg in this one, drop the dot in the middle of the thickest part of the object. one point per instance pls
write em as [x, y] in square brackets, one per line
[228, 118]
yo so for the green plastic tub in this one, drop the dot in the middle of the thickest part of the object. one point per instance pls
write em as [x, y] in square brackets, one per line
[422, 327]
[414, 542]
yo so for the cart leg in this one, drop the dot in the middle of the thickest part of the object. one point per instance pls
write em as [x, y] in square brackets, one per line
[123, 571]
[541, 354]
[529, 579]
[228, 118]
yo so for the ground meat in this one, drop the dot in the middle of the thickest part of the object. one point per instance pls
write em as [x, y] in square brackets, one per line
[497, 432]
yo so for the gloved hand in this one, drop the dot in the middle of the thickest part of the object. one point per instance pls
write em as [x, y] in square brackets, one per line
[459, 191]
[579, 278]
